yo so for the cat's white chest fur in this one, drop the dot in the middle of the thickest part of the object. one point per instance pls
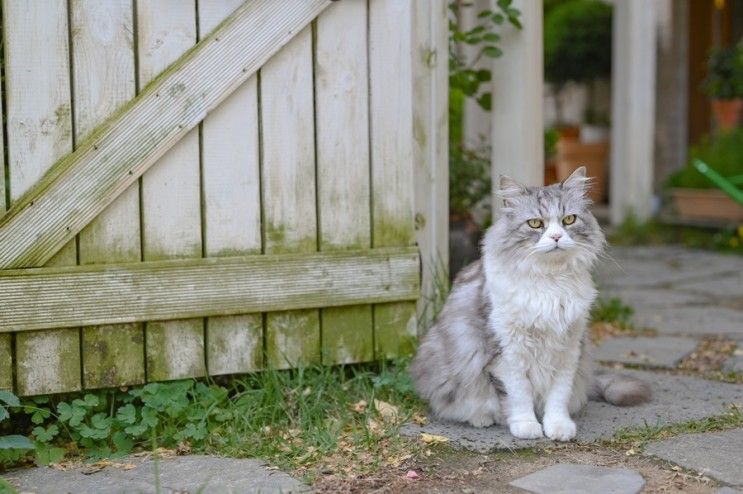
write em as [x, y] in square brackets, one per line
[539, 321]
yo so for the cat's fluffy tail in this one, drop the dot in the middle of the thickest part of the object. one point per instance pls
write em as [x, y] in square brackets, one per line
[620, 390]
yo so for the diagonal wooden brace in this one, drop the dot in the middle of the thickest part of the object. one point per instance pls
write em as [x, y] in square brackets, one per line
[79, 186]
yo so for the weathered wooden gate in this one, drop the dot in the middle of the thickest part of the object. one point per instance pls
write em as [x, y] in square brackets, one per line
[212, 187]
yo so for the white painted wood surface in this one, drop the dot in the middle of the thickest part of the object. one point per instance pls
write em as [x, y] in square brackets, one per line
[171, 211]
[342, 120]
[391, 132]
[84, 183]
[103, 81]
[633, 110]
[232, 217]
[431, 158]
[37, 81]
[288, 183]
[39, 123]
[518, 90]
[6, 347]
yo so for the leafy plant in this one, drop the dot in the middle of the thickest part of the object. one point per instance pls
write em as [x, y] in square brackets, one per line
[469, 178]
[721, 151]
[725, 73]
[295, 418]
[464, 78]
[577, 44]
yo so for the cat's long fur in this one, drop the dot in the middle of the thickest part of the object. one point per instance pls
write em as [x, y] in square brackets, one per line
[510, 344]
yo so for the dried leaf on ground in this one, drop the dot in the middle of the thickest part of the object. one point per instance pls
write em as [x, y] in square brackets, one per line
[433, 438]
[387, 411]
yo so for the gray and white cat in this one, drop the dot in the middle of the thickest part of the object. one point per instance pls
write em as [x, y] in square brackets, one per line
[511, 343]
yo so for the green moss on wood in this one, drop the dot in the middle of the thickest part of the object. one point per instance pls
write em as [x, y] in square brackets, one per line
[292, 338]
[395, 329]
[389, 233]
[234, 344]
[347, 335]
[6, 363]
[175, 349]
[48, 362]
[113, 356]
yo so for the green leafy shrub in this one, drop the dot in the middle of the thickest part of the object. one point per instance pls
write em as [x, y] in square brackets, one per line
[577, 41]
[722, 151]
[469, 178]
[725, 73]
[577, 47]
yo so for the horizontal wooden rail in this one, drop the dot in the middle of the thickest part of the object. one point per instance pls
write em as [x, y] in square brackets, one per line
[74, 296]
[78, 187]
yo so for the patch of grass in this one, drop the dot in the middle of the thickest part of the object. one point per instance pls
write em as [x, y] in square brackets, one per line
[321, 419]
[6, 488]
[637, 438]
[613, 311]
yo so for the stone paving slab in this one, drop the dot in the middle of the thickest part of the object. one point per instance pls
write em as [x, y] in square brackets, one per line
[692, 321]
[734, 364]
[727, 285]
[675, 399]
[715, 454]
[181, 475]
[661, 351]
[581, 479]
[728, 490]
[652, 297]
[662, 266]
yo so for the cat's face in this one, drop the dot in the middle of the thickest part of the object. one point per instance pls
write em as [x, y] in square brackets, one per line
[548, 225]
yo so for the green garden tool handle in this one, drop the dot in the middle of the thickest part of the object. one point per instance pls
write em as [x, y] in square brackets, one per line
[725, 184]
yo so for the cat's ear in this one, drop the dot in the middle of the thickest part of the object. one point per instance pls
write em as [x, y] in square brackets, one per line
[509, 189]
[577, 180]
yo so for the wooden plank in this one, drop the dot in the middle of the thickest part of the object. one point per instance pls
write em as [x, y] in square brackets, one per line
[171, 195]
[342, 120]
[39, 128]
[430, 151]
[390, 85]
[288, 173]
[82, 184]
[232, 222]
[6, 357]
[6, 346]
[185, 288]
[104, 80]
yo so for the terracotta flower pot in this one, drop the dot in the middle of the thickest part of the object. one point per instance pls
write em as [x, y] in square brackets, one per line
[594, 156]
[727, 112]
[569, 133]
[706, 204]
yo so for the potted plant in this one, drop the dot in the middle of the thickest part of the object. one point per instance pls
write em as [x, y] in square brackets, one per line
[577, 48]
[694, 196]
[724, 83]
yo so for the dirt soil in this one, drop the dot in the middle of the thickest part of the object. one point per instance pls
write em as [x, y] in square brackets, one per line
[448, 470]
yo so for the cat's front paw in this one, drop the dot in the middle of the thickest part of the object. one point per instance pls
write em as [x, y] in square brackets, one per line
[526, 429]
[559, 428]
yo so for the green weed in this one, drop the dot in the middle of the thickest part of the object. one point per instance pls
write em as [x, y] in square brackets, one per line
[334, 418]
[638, 437]
[613, 311]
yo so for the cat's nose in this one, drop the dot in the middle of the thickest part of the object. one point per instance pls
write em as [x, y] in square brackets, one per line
[556, 236]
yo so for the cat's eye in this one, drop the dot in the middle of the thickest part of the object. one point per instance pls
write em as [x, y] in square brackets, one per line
[569, 219]
[535, 223]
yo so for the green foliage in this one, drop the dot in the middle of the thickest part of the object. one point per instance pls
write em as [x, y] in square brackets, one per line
[277, 415]
[723, 152]
[469, 178]
[577, 41]
[725, 73]
[464, 78]
[612, 311]
[551, 136]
